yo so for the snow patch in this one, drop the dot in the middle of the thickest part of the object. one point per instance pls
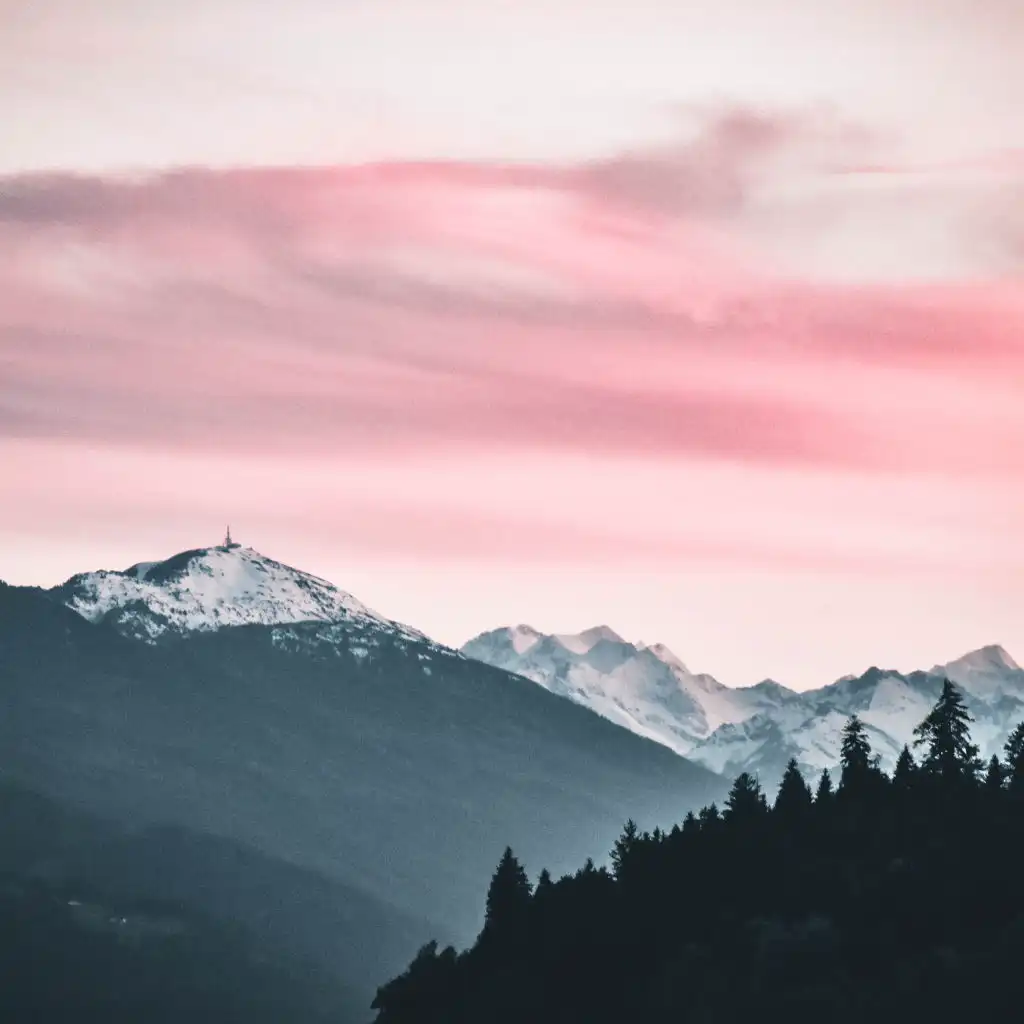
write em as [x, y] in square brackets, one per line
[210, 588]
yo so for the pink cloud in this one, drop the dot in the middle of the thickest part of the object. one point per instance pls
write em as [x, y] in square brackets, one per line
[619, 307]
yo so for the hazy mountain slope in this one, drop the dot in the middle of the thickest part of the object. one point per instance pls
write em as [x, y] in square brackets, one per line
[192, 904]
[401, 767]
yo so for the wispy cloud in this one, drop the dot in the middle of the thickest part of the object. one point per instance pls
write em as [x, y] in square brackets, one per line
[619, 306]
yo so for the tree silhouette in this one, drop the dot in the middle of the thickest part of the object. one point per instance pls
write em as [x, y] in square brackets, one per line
[946, 736]
[859, 768]
[1014, 758]
[709, 817]
[746, 801]
[793, 801]
[824, 793]
[624, 849]
[995, 777]
[508, 898]
[905, 771]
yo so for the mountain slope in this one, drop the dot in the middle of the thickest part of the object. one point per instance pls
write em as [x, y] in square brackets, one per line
[649, 690]
[349, 748]
[155, 887]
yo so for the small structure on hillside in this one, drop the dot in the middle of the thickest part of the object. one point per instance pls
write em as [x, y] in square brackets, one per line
[228, 542]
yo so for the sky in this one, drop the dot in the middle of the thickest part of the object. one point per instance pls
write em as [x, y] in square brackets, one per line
[701, 320]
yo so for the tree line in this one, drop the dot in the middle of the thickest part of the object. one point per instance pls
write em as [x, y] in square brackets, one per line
[869, 897]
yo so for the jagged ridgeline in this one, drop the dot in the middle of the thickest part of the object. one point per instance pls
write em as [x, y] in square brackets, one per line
[872, 897]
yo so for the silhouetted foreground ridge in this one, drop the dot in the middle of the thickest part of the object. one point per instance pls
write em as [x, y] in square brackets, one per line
[883, 899]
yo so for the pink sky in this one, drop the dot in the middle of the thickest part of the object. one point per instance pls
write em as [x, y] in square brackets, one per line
[495, 313]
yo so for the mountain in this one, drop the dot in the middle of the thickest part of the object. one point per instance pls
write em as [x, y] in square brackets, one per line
[650, 691]
[102, 922]
[645, 688]
[246, 703]
[209, 588]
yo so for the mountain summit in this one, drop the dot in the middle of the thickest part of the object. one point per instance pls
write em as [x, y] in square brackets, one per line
[208, 588]
[645, 688]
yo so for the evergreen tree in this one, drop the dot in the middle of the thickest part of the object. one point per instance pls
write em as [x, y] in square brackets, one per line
[746, 801]
[625, 847]
[544, 883]
[1014, 754]
[508, 898]
[690, 824]
[858, 766]
[995, 777]
[793, 801]
[709, 817]
[946, 736]
[906, 769]
[824, 792]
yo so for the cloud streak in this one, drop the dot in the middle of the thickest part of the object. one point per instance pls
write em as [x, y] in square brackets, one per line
[620, 306]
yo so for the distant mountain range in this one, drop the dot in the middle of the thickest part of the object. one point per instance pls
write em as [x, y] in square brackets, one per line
[330, 778]
[650, 691]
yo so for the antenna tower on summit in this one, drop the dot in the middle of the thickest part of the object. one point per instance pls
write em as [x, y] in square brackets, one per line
[228, 542]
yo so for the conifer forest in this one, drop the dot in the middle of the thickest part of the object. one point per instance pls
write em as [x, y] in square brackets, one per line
[863, 897]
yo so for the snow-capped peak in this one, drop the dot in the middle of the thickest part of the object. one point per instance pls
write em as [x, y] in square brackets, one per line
[984, 672]
[664, 655]
[991, 657]
[522, 638]
[208, 588]
[581, 643]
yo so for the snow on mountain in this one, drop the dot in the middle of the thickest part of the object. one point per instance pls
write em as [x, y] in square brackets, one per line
[984, 673]
[649, 690]
[209, 588]
[646, 689]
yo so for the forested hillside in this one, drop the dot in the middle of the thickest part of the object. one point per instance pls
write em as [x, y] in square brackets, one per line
[870, 898]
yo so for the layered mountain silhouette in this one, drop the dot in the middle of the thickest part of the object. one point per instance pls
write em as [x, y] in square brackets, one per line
[239, 713]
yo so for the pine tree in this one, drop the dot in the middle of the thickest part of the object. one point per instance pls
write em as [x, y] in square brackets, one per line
[906, 769]
[824, 793]
[793, 801]
[625, 846]
[860, 776]
[544, 883]
[690, 824]
[946, 735]
[1014, 760]
[709, 817]
[746, 801]
[858, 767]
[508, 898]
[995, 777]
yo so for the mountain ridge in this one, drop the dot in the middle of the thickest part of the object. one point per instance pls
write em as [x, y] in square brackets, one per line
[649, 689]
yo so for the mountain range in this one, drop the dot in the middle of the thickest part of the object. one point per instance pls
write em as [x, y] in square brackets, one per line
[252, 745]
[650, 691]
[231, 734]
